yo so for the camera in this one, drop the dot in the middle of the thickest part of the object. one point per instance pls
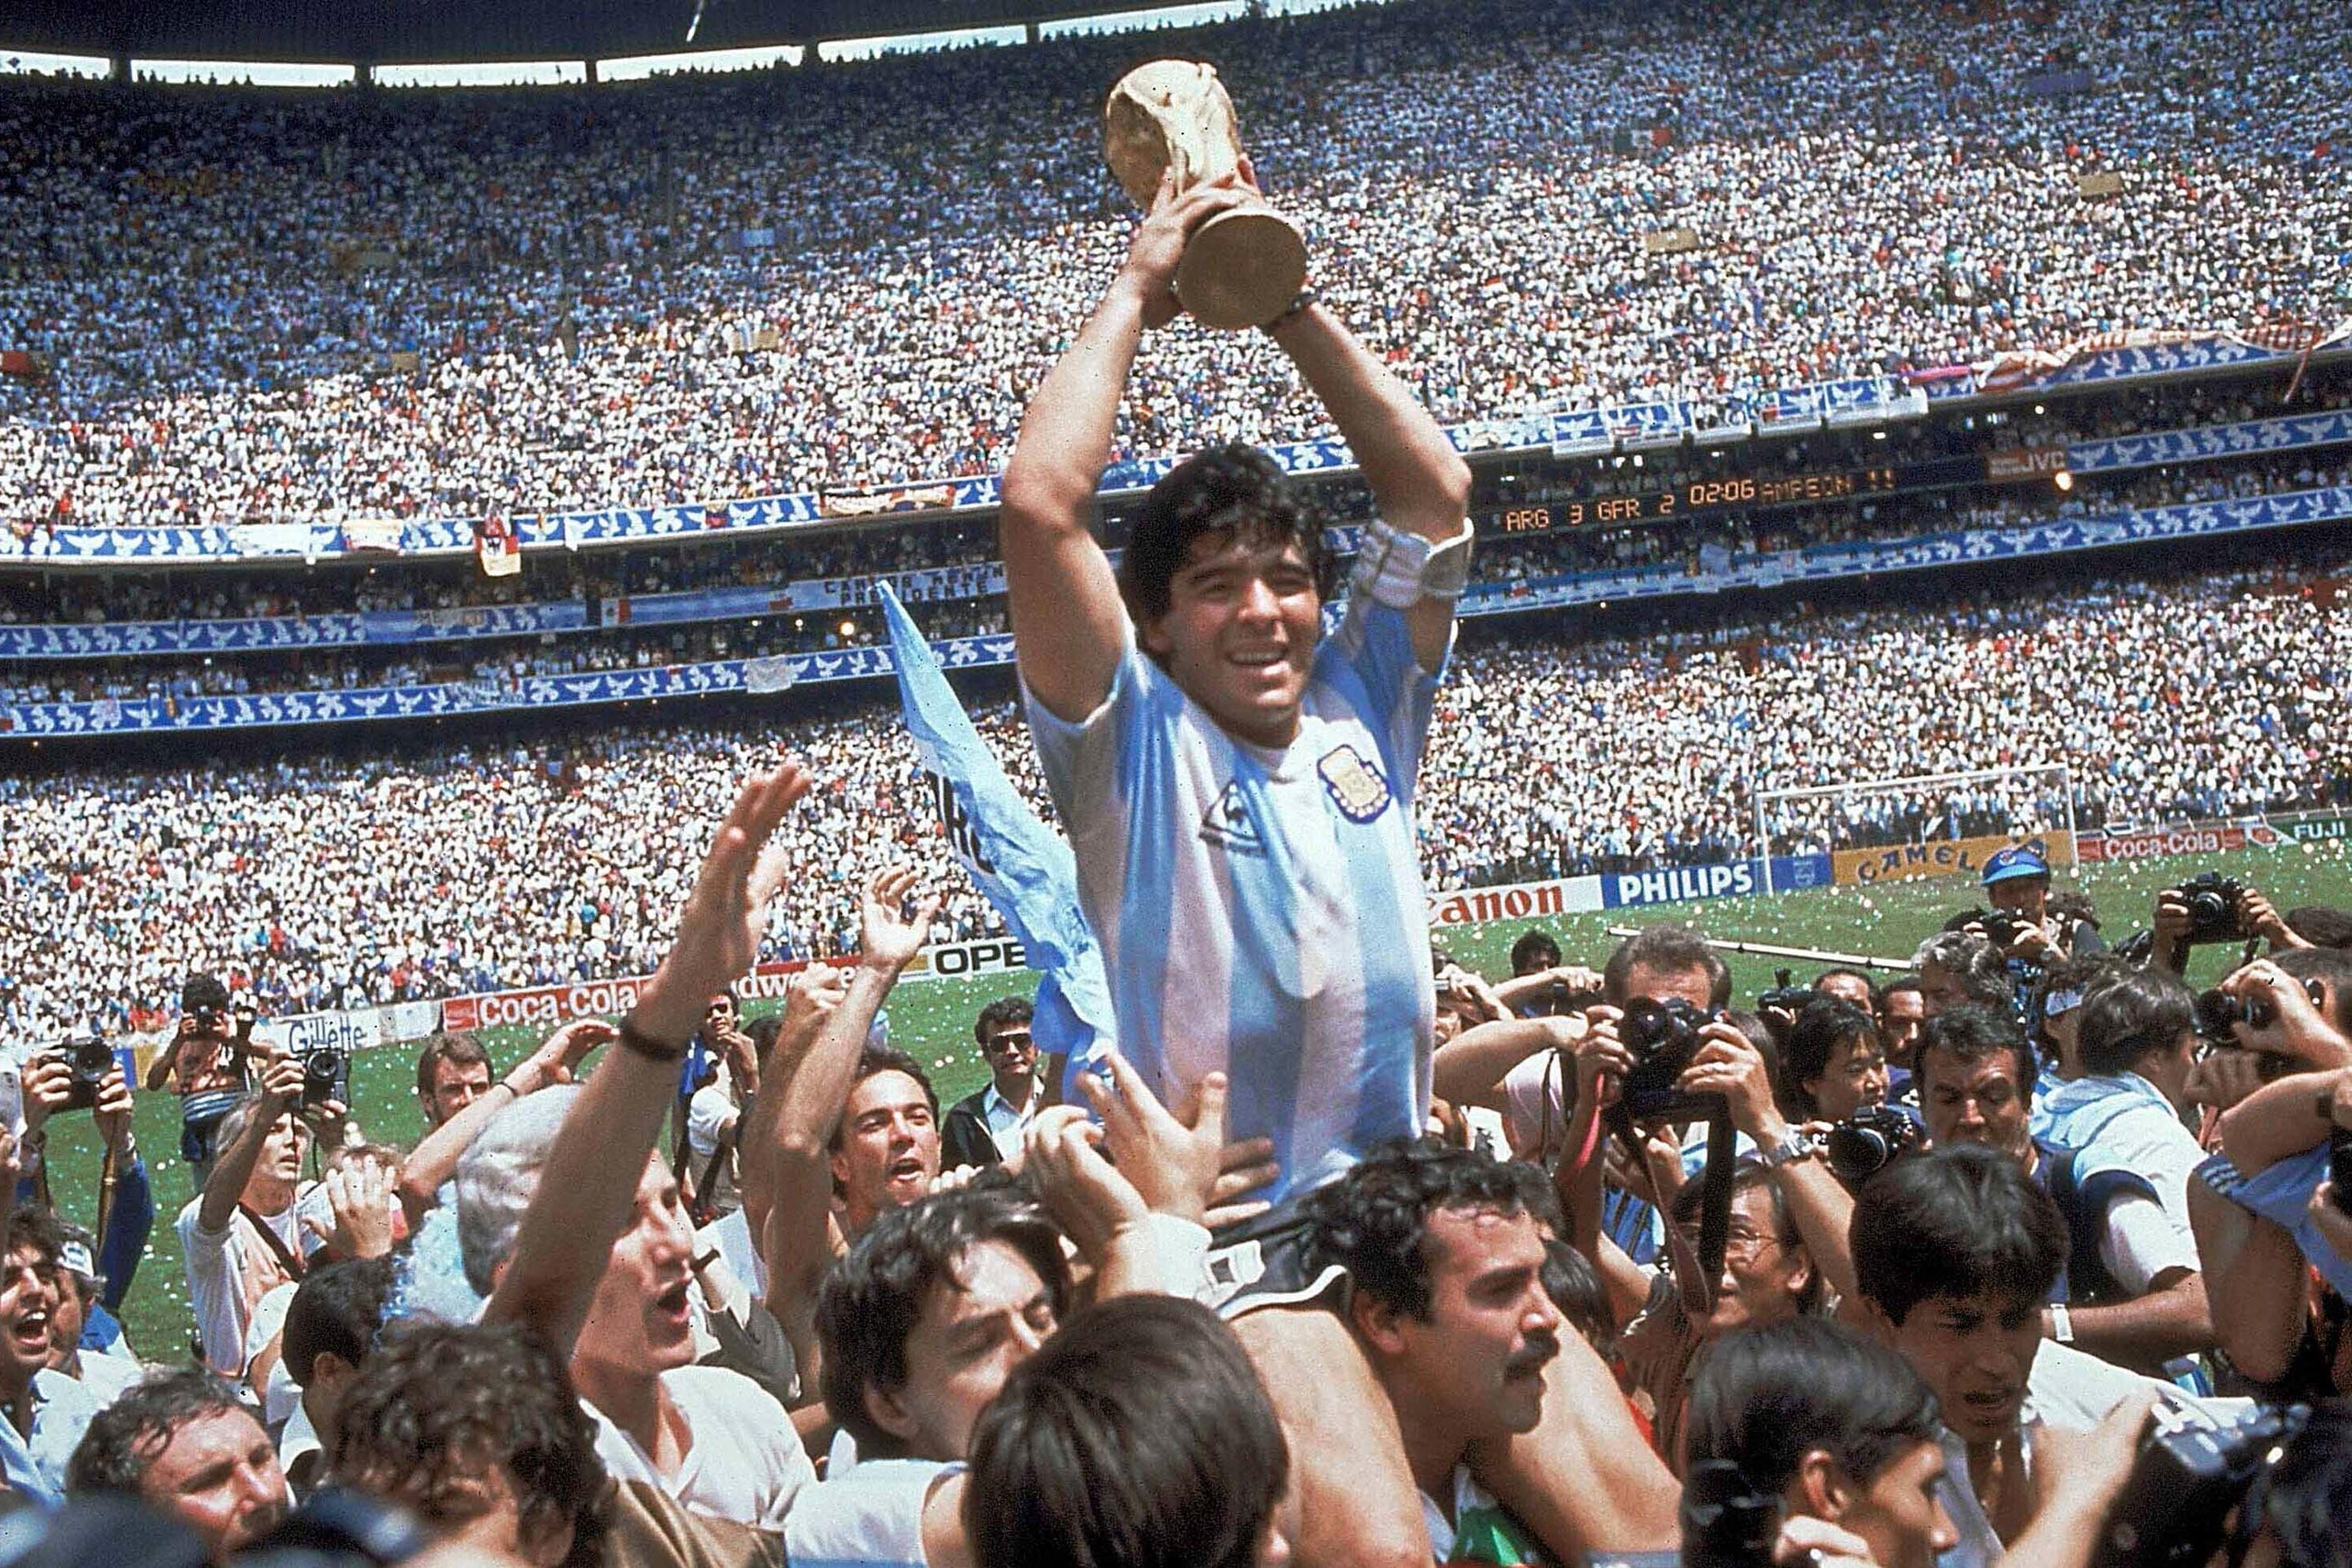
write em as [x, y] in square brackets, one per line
[1868, 1141]
[203, 1004]
[2192, 1472]
[2339, 1168]
[1661, 1038]
[90, 1059]
[2000, 927]
[1783, 997]
[326, 1075]
[1725, 1522]
[2218, 1011]
[1559, 999]
[2213, 901]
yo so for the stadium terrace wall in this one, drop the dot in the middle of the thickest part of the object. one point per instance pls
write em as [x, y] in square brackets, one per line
[1818, 563]
[1737, 416]
[2121, 454]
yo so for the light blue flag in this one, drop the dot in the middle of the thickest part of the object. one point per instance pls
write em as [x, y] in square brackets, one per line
[1023, 867]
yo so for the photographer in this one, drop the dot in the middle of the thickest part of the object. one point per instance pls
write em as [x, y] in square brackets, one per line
[2258, 1231]
[1834, 1064]
[241, 1237]
[2211, 908]
[2137, 1043]
[1826, 1424]
[1787, 1224]
[207, 1065]
[2016, 884]
[1975, 1089]
[126, 1198]
[1957, 968]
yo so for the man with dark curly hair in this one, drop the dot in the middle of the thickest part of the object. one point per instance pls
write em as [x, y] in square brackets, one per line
[478, 1432]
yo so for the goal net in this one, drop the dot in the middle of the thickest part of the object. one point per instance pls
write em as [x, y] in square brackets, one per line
[1920, 824]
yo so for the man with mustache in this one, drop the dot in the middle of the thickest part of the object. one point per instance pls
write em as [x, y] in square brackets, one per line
[1445, 1250]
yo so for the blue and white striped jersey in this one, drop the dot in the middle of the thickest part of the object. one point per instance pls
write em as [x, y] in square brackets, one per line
[1259, 911]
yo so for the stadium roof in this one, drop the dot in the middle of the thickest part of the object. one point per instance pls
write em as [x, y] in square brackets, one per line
[437, 31]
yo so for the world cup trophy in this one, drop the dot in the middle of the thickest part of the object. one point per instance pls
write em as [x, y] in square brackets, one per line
[1241, 267]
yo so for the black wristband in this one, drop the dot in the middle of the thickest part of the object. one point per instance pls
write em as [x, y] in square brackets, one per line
[645, 1045]
[1307, 298]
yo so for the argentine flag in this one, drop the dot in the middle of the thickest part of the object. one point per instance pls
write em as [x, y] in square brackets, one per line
[1023, 867]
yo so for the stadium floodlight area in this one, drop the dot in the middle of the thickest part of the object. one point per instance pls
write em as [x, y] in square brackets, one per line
[2019, 801]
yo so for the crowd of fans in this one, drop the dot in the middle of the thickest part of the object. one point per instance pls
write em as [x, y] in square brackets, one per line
[194, 266]
[445, 870]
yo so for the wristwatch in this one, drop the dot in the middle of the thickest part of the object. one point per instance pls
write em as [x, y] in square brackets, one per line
[1793, 1146]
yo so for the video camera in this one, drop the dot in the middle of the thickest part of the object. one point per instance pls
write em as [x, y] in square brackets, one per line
[90, 1059]
[1868, 1141]
[2212, 900]
[2192, 1473]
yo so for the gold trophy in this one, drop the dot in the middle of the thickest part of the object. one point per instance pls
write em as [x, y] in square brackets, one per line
[1241, 267]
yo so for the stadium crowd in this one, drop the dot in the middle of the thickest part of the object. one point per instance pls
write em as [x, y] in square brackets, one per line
[196, 271]
[448, 868]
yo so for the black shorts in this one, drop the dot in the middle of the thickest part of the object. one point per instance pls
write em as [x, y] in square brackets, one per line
[1270, 1261]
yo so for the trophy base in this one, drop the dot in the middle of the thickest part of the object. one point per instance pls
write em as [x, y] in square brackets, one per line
[1241, 268]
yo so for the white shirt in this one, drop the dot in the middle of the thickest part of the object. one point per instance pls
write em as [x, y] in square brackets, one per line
[109, 1376]
[1006, 1125]
[2125, 1122]
[870, 1515]
[215, 1263]
[743, 1462]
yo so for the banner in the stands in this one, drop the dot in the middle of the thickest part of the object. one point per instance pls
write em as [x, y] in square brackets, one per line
[1939, 857]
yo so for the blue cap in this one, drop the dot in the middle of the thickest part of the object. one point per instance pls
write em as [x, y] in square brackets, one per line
[2017, 860]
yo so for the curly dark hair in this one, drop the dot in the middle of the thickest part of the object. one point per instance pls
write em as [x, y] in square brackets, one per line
[1970, 1035]
[873, 1296]
[1233, 492]
[997, 1014]
[439, 1402]
[127, 1436]
[1373, 1221]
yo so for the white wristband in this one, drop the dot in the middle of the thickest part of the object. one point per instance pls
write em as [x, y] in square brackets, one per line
[2062, 1323]
[1400, 570]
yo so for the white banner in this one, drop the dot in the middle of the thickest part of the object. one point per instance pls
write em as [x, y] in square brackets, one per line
[1521, 901]
[307, 1032]
[411, 1020]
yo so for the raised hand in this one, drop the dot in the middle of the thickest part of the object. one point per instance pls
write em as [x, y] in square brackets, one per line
[360, 1196]
[888, 936]
[1160, 239]
[725, 916]
[559, 1056]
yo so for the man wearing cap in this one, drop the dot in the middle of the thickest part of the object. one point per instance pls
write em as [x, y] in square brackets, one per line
[2017, 883]
[81, 1322]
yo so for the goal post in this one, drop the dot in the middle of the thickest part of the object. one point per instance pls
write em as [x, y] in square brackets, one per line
[1972, 808]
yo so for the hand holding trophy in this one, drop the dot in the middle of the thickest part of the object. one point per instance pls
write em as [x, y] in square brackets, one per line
[1171, 121]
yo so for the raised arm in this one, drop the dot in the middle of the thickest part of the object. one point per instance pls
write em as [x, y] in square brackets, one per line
[1421, 483]
[433, 1161]
[1067, 621]
[794, 1240]
[281, 1087]
[589, 1188]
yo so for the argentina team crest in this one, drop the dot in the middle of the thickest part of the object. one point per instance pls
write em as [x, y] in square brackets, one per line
[1355, 785]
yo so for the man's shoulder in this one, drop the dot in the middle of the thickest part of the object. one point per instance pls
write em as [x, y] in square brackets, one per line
[870, 1513]
[972, 1104]
[714, 1393]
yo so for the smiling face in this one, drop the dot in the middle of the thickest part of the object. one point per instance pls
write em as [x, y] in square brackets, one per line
[889, 1149]
[639, 1321]
[1975, 1351]
[1239, 634]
